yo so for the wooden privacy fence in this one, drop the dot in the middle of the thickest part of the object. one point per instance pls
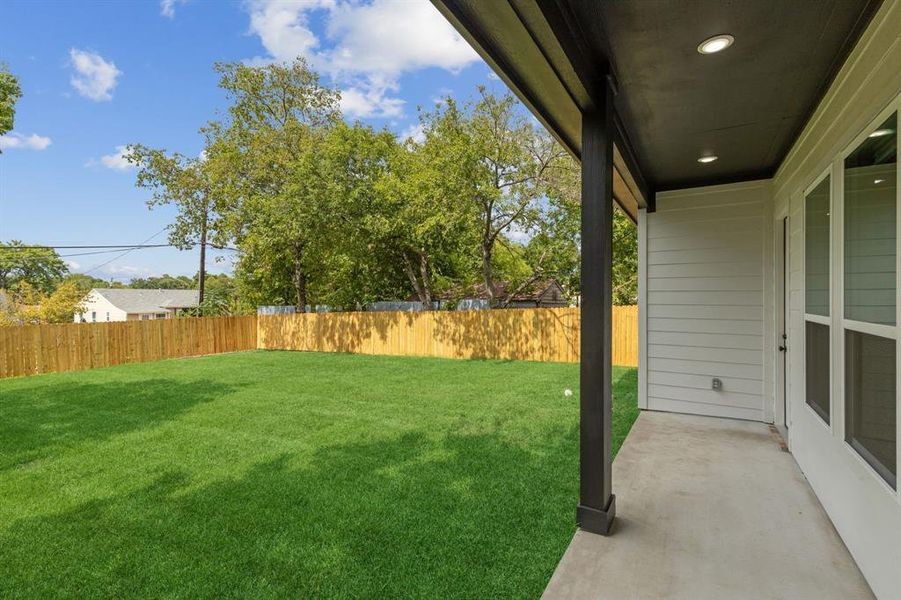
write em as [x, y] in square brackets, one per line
[543, 334]
[35, 349]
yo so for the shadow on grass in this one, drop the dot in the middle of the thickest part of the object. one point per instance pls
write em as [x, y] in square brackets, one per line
[36, 420]
[412, 516]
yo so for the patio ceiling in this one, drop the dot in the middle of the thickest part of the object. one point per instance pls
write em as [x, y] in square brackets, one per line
[745, 105]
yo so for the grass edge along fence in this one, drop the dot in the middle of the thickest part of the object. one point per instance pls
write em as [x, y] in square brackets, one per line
[541, 334]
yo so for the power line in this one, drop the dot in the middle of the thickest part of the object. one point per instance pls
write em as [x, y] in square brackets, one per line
[82, 247]
[116, 248]
[103, 264]
[104, 251]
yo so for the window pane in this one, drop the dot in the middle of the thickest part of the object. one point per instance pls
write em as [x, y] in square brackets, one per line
[816, 249]
[870, 212]
[871, 404]
[817, 349]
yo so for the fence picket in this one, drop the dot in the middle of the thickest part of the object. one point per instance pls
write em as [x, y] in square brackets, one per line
[543, 334]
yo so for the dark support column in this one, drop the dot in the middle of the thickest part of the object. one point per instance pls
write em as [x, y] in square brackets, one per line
[596, 501]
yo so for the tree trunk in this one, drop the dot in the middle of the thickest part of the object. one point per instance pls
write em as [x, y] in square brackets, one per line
[300, 277]
[426, 280]
[488, 273]
[422, 288]
[201, 274]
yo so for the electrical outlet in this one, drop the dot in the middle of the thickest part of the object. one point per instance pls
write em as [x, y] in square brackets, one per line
[717, 384]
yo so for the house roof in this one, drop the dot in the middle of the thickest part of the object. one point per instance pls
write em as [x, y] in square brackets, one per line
[148, 301]
[745, 105]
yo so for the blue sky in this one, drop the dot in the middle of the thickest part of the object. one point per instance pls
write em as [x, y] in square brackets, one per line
[98, 75]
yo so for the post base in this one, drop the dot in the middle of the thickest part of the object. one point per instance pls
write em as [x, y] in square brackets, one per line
[597, 521]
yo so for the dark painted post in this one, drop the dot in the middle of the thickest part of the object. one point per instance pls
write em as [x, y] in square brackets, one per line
[597, 505]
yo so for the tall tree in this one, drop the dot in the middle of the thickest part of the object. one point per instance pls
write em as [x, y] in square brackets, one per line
[516, 160]
[85, 283]
[42, 268]
[423, 226]
[267, 154]
[185, 183]
[165, 282]
[359, 268]
[10, 92]
[625, 259]
[58, 307]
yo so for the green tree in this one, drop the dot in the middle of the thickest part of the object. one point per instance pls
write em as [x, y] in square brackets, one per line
[164, 282]
[42, 268]
[563, 222]
[267, 157]
[223, 298]
[10, 92]
[515, 162]
[357, 268]
[422, 226]
[625, 259]
[60, 306]
[185, 183]
[85, 283]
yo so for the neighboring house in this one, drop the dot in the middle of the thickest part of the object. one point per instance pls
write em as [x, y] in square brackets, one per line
[545, 293]
[125, 304]
[756, 146]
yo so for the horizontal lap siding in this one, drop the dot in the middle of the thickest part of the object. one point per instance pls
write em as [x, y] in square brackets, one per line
[705, 301]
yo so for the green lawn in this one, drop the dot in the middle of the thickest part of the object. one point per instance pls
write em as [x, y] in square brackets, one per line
[282, 474]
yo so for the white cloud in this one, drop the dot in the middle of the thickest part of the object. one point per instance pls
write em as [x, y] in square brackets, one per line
[415, 132]
[125, 271]
[167, 7]
[367, 47]
[14, 140]
[518, 235]
[115, 161]
[73, 265]
[283, 26]
[94, 77]
[371, 102]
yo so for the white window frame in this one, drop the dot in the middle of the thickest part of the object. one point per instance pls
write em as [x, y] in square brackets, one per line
[837, 223]
[827, 172]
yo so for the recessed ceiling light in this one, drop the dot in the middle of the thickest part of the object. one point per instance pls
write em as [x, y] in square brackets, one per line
[715, 44]
[881, 132]
[707, 159]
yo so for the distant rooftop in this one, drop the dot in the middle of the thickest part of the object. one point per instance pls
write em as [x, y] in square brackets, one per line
[149, 301]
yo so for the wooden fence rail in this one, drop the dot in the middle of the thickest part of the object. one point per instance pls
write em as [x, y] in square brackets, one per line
[543, 334]
[35, 349]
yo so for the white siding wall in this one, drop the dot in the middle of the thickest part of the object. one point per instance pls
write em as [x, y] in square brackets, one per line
[97, 303]
[865, 511]
[704, 280]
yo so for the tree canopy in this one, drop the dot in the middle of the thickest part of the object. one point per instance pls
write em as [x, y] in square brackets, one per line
[321, 211]
[42, 268]
[10, 92]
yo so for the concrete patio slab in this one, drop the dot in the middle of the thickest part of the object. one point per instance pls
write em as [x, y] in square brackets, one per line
[709, 508]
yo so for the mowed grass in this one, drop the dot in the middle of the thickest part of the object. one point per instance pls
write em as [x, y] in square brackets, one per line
[284, 474]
